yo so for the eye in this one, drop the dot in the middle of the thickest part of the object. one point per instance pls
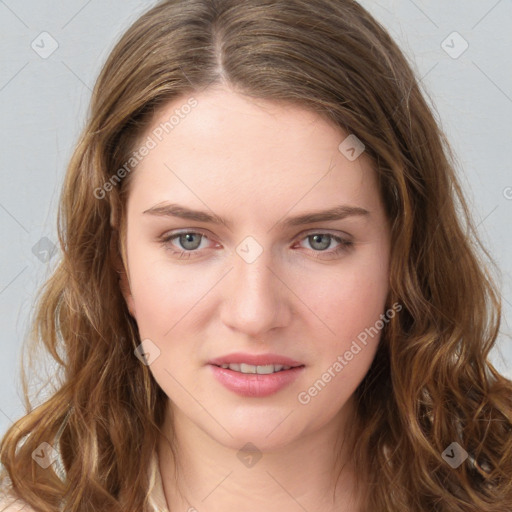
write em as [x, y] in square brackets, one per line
[320, 242]
[187, 244]
[188, 241]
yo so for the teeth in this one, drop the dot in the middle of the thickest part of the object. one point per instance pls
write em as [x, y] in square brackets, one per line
[248, 368]
[260, 369]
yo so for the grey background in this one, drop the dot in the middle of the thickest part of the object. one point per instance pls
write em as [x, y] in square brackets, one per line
[43, 101]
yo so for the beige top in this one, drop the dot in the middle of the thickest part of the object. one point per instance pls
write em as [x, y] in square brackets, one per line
[9, 503]
[157, 496]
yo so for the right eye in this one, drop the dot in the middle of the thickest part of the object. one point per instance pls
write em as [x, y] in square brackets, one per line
[189, 242]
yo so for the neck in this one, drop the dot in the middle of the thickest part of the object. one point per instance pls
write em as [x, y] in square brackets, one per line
[208, 476]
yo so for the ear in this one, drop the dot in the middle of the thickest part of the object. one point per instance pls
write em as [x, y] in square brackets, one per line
[119, 267]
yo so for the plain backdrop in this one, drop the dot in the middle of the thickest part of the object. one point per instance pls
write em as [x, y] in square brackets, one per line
[51, 54]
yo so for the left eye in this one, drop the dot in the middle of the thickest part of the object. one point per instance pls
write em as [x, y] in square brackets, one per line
[323, 240]
[190, 243]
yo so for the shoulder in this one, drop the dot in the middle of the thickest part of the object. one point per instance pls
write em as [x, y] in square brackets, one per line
[9, 503]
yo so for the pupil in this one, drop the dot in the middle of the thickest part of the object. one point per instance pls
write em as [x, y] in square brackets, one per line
[316, 237]
[187, 240]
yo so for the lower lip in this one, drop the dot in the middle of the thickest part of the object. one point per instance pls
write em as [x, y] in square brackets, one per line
[254, 384]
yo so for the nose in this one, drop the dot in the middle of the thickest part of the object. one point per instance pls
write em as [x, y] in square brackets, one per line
[257, 297]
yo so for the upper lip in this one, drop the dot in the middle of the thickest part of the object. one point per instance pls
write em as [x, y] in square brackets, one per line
[254, 359]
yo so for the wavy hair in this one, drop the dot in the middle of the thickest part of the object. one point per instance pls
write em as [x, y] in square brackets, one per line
[431, 382]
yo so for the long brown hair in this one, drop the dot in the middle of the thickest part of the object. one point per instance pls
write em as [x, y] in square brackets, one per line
[431, 383]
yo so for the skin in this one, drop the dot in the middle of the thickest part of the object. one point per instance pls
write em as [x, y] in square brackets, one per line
[255, 162]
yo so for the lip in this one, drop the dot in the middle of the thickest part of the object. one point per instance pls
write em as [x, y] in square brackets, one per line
[254, 384]
[254, 359]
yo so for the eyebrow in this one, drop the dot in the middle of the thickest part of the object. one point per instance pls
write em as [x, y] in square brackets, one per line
[337, 213]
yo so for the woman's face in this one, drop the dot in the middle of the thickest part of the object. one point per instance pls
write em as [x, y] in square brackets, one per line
[276, 278]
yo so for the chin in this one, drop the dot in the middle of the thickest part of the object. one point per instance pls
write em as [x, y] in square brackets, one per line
[265, 428]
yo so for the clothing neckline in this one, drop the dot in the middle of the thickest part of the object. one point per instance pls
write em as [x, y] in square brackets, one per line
[156, 495]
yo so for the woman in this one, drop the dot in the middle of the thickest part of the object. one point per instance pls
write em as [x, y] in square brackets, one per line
[267, 299]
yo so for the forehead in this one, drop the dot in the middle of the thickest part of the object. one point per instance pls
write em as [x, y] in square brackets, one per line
[223, 147]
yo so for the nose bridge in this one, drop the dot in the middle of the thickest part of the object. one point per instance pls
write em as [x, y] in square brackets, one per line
[257, 300]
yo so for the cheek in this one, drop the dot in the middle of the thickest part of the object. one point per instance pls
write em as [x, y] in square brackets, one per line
[162, 292]
[353, 309]
[348, 299]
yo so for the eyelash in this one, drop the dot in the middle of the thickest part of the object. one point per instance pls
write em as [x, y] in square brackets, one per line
[344, 246]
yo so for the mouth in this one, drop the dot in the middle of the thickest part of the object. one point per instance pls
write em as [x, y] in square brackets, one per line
[266, 369]
[255, 380]
[255, 363]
